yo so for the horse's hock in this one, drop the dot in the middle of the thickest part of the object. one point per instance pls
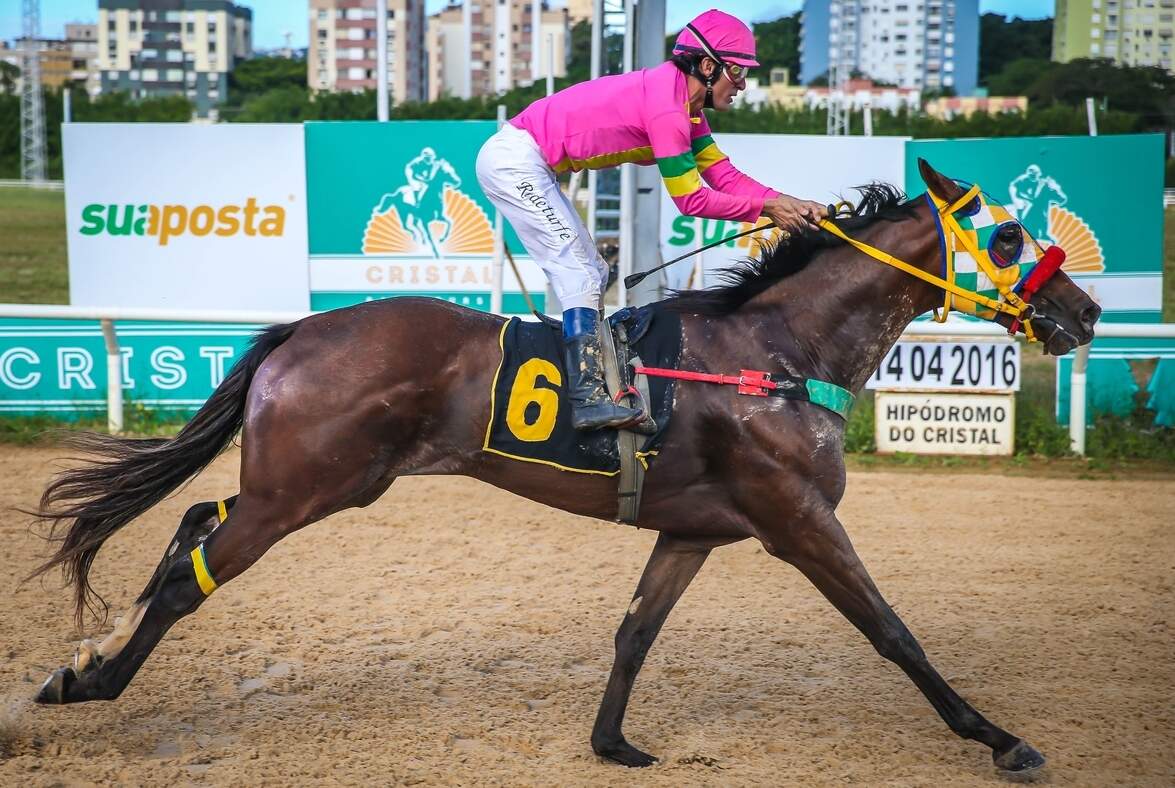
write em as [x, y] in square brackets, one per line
[455, 633]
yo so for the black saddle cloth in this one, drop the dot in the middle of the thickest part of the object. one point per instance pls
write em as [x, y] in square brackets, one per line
[530, 417]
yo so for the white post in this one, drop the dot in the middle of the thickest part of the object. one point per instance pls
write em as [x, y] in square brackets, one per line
[499, 242]
[1077, 379]
[627, 171]
[550, 63]
[113, 378]
[467, 32]
[1077, 401]
[381, 60]
[536, 32]
[868, 120]
[597, 56]
[66, 109]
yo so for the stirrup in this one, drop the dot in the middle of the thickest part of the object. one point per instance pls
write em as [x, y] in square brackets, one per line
[647, 425]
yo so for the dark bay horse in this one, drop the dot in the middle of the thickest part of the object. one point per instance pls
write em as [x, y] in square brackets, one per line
[732, 468]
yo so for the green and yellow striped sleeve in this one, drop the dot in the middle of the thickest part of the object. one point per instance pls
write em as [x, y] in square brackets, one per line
[680, 174]
[705, 151]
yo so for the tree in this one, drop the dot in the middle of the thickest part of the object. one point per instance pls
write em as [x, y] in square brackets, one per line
[1003, 40]
[261, 74]
[1147, 91]
[1018, 76]
[778, 44]
[8, 76]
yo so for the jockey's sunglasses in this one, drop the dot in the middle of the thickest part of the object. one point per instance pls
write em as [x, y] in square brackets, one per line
[734, 72]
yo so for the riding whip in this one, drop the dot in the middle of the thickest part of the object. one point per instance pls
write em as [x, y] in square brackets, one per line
[634, 279]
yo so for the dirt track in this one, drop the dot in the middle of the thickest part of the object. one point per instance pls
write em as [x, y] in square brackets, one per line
[453, 633]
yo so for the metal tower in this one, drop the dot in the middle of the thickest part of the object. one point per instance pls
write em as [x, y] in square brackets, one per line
[32, 112]
[842, 50]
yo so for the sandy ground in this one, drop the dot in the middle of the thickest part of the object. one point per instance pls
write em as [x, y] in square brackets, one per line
[453, 633]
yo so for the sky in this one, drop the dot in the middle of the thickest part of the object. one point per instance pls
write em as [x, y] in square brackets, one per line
[273, 18]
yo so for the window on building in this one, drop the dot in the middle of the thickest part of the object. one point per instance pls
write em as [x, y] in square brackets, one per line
[175, 74]
[175, 56]
[149, 75]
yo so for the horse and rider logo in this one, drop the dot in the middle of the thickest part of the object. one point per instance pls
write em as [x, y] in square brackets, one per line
[428, 215]
[1038, 203]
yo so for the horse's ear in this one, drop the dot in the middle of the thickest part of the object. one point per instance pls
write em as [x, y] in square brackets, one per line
[941, 186]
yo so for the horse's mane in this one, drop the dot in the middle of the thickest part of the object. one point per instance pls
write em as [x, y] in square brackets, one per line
[746, 279]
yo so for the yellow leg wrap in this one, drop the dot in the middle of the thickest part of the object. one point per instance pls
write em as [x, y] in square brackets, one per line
[221, 511]
[203, 576]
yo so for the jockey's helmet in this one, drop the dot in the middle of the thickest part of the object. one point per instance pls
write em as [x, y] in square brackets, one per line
[719, 36]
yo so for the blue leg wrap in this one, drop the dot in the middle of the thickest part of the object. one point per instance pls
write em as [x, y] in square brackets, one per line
[578, 321]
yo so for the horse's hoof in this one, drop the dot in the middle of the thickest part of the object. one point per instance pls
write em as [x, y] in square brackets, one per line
[53, 691]
[1020, 760]
[623, 753]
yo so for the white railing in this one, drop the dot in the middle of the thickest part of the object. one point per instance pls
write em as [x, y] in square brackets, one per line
[50, 185]
[1168, 198]
[114, 416]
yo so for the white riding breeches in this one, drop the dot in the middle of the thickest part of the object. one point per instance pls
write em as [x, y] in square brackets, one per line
[513, 174]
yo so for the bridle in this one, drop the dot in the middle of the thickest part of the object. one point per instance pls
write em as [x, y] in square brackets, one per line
[1014, 296]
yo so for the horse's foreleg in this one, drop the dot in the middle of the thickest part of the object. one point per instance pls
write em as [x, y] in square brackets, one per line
[671, 567]
[825, 555]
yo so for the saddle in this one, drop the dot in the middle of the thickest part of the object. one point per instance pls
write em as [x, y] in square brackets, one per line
[530, 418]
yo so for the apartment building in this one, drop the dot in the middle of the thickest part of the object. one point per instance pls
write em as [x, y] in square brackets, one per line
[930, 45]
[53, 56]
[487, 48]
[173, 47]
[83, 48]
[1130, 32]
[342, 52]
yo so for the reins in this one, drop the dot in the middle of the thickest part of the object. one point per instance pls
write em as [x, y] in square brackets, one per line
[1015, 305]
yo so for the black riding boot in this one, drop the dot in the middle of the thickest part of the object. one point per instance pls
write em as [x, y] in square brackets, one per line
[591, 407]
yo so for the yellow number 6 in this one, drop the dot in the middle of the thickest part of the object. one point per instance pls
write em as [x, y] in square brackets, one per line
[524, 392]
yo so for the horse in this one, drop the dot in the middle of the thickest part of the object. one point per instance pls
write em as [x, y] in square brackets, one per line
[418, 210]
[731, 468]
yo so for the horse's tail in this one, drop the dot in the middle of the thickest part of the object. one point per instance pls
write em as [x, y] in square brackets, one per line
[132, 475]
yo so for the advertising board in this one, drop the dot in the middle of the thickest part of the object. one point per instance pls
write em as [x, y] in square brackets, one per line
[59, 366]
[937, 423]
[395, 209]
[1099, 198]
[186, 216]
[808, 166]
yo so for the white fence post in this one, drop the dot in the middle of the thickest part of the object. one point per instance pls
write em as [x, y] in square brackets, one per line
[1077, 401]
[114, 420]
[499, 242]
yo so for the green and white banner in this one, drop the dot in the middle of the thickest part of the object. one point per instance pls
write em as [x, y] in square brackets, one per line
[1099, 198]
[406, 218]
[59, 366]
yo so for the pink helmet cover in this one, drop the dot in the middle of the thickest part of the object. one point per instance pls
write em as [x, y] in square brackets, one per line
[728, 38]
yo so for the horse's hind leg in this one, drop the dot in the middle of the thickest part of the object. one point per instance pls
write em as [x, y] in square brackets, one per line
[826, 557]
[97, 671]
[197, 523]
[671, 567]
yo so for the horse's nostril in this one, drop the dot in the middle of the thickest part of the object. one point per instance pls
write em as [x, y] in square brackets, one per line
[1090, 315]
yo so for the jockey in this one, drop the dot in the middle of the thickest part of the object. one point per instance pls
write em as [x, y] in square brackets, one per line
[651, 116]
